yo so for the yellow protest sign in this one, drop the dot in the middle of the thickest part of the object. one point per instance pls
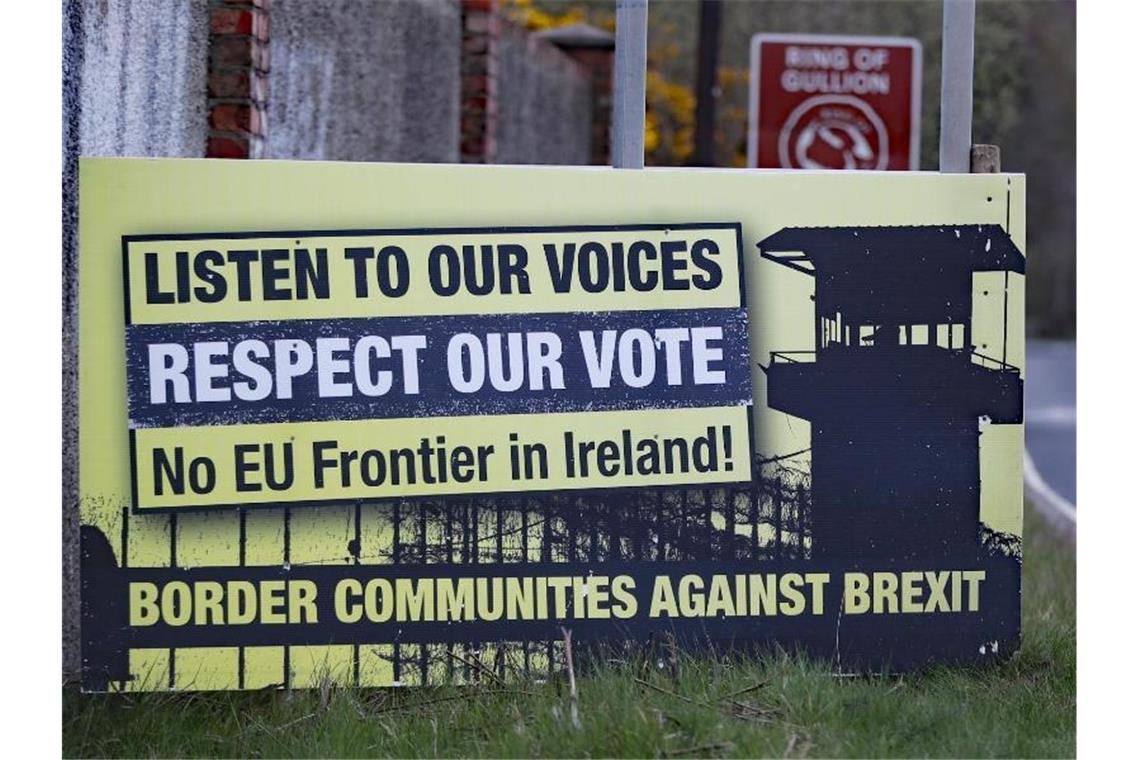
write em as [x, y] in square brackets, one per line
[341, 420]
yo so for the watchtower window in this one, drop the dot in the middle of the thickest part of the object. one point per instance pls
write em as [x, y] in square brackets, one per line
[833, 331]
[958, 336]
[950, 336]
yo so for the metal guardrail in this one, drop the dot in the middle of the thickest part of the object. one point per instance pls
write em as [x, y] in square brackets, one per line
[792, 357]
[804, 357]
[989, 361]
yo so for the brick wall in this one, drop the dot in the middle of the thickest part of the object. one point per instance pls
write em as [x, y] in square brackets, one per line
[479, 81]
[388, 67]
[238, 80]
[533, 98]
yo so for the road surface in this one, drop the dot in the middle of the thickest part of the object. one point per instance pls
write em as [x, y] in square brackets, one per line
[1051, 414]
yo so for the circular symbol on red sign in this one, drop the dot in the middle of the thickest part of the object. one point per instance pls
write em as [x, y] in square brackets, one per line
[834, 132]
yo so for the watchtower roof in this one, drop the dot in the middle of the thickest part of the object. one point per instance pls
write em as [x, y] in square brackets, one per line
[919, 250]
[895, 275]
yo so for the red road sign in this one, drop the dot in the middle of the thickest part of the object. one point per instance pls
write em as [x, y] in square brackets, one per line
[834, 102]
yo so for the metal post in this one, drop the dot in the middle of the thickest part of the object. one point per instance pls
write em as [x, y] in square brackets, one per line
[629, 84]
[708, 49]
[957, 85]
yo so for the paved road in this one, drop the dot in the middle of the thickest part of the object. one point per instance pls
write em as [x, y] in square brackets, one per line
[1051, 413]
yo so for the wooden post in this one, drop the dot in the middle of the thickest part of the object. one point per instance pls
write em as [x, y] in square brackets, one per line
[985, 159]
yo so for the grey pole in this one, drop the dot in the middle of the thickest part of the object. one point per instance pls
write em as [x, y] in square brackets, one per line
[629, 84]
[957, 85]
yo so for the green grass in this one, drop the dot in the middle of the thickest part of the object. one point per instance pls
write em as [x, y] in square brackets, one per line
[1025, 706]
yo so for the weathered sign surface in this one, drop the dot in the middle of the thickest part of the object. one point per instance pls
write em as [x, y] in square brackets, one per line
[822, 101]
[401, 424]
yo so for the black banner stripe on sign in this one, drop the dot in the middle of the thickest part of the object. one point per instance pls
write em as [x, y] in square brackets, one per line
[230, 373]
[321, 605]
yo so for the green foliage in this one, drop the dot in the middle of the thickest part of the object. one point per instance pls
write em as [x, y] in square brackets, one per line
[688, 707]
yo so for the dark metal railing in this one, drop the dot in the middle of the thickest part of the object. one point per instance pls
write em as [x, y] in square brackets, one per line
[991, 362]
[793, 357]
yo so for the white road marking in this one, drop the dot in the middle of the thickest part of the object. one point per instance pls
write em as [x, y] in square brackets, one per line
[1053, 416]
[1055, 507]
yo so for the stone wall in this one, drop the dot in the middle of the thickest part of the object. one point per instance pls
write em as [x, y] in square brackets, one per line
[134, 85]
[140, 68]
[354, 80]
[545, 103]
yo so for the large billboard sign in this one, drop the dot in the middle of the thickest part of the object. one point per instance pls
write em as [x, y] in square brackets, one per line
[834, 102]
[401, 424]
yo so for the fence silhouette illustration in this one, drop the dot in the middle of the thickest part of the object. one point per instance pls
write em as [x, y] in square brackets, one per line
[765, 520]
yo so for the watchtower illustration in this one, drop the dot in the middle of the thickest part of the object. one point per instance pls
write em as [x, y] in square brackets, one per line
[894, 389]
